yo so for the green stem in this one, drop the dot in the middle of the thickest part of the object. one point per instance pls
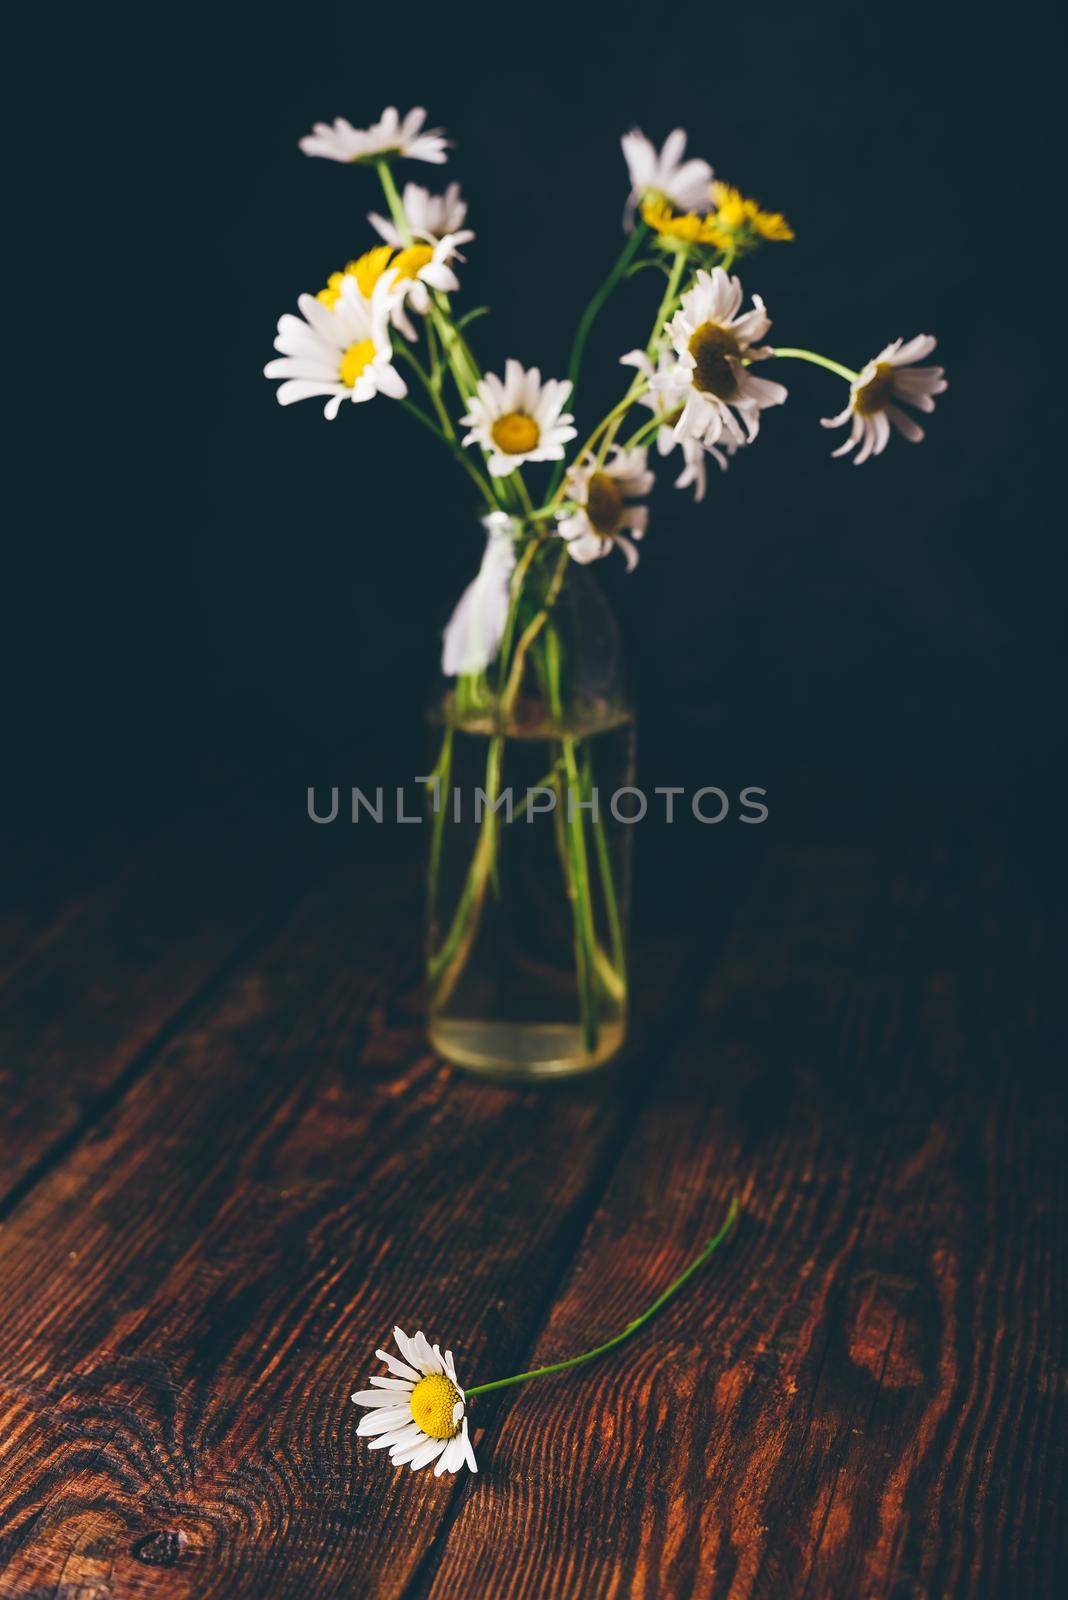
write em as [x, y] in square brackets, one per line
[607, 428]
[454, 450]
[631, 1327]
[582, 909]
[393, 199]
[615, 415]
[592, 311]
[441, 775]
[608, 892]
[817, 361]
[589, 317]
[428, 384]
[543, 783]
[445, 965]
[519, 577]
[528, 636]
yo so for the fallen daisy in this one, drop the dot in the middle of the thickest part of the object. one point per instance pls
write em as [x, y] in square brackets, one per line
[419, 1413]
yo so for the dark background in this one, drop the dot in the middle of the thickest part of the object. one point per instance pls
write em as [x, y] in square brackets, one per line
[209, 589]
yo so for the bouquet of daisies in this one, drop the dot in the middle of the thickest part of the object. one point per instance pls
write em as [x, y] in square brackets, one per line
[386, 325]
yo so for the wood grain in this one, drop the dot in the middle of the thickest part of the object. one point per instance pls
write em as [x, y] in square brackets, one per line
[860, 1398]
[204, 1281]
[114, 969]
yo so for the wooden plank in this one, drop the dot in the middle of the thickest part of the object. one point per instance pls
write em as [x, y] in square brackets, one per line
[862, 1397]
[203, 1283]
[116, 968]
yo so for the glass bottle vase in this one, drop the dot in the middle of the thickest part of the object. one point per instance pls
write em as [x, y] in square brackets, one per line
[529, 870]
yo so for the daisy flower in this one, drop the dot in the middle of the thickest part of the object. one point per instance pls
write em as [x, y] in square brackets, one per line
[419, 1412]
[874, 393]
[605, 509]
[343, 352]
[391, 135]
[685, 183]
[430, 216]
[666, 400]
[714, 342]
[519, 420]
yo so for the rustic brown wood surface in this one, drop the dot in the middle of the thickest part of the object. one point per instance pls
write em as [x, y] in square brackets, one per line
[231, 1164]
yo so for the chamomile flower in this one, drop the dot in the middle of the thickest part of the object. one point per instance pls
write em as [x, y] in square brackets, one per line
[430, 216]
[341, 351]
[605, 509]
[519, 420]
[391, 135]
[420, 267]
[418, 1413]
[684, 183]
[714, 342]
[666, 401]
[874, 395]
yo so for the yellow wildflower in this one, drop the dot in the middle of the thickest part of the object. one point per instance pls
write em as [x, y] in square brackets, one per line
[686, 225]
[735, 215]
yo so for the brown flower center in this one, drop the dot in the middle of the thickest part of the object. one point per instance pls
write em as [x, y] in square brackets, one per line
[604, 502]
[713, 349]
[876, 394]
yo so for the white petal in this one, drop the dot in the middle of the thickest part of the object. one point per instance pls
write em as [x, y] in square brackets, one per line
[383, 1398]
[400, 1436]
[400, 1368]
[384, 1419]
[428, 1453]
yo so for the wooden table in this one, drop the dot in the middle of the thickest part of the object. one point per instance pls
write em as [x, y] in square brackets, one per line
[230, 1165]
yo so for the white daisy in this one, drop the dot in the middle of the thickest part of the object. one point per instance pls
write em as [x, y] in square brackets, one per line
[521, 419]
[873, 394]
[605, 511]
[687, 184]
[430, 216]
[419, 267]
[343, 351]
[390, 135]
[666, 401]
[713, 340]
[475, 629]
[419, 1412]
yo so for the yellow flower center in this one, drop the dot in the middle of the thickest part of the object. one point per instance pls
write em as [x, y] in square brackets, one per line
[604, 502]
[515, 433]
[432, 1405]
[356, 358]
[877, 393]
[713, 348]
[409, 263]
[367, 270]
